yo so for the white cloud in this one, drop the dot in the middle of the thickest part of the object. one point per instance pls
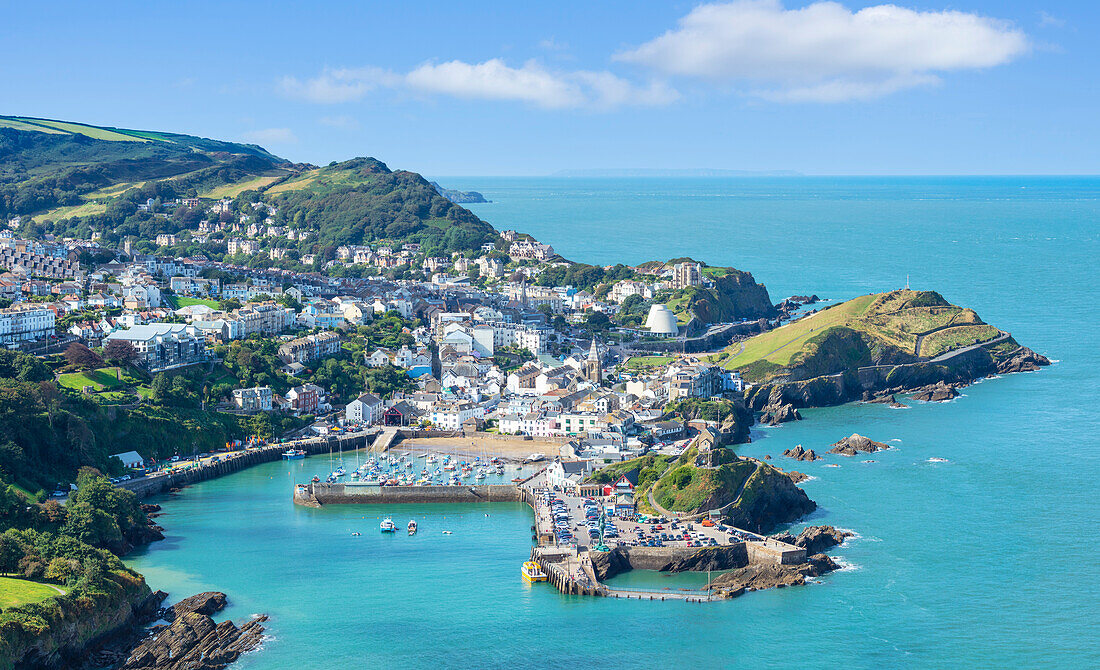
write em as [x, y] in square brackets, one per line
[1049, 20]
[336, 85]
[551, 44]
[533, 84]
[342, 121]
[825, 52]
[271, 135]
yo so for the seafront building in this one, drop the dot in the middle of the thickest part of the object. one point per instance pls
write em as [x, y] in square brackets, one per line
[26, 322]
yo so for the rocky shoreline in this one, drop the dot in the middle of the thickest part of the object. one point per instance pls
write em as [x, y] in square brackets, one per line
[814, 539]
[191, 640]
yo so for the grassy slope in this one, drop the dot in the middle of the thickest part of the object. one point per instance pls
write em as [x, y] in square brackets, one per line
[15, 592]
[892, 321]
[93, 132]
[320, 179]
[101, 379]
[779, 345]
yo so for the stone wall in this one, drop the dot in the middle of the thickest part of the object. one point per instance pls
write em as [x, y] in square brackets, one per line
[149, 486]
[364, 494]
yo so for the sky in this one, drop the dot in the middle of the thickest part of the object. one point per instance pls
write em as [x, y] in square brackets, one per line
[508, 88]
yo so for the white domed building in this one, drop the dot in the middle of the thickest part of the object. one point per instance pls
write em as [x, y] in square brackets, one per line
[661, 321]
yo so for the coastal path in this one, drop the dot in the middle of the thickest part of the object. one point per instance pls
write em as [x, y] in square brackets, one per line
[957, 352]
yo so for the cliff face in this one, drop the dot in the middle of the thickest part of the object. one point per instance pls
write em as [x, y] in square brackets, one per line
[885, 379]
[839, 349]
[57, 632]
[735, 296]
[770, 498]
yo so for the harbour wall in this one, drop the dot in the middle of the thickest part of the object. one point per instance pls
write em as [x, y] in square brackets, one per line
[144, 487]
[322, 493]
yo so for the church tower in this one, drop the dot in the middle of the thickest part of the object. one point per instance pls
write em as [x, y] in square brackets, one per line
[593, 366]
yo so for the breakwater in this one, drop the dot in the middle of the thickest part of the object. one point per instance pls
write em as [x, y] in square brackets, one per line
[321, 493]
[144, 487]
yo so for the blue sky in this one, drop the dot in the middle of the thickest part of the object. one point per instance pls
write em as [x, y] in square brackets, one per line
[494, 88]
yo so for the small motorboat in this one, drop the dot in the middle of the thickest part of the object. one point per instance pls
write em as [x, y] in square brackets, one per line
[412, 527]
[387, 526]
[294, 454]
[448, 532]
[532, 573]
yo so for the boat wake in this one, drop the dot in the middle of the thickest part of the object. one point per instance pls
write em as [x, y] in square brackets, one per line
[936, 459]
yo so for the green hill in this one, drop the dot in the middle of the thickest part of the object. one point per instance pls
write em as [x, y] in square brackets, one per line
[361, 201]
[901, 326]
[62, 169]
[74, 179]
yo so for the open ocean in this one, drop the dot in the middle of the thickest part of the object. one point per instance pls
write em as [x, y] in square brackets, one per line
[985, 560]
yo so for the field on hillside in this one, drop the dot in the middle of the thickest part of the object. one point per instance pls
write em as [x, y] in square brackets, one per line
[899, 319]
[233, 190]
[321, 179]
[87, 209]
[779, 345]
[103, 379]
[15, 592]
[22, 125]
[90, 131]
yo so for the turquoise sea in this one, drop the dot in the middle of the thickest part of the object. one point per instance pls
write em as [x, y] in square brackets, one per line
[985, 560]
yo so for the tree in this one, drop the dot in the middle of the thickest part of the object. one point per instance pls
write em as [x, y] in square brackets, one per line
[82, 357]
[161, 387]
[597, 321]
[121, 352]
[10, 554]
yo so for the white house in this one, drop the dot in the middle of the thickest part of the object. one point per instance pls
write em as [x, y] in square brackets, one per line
[131, 459]
[367, 408]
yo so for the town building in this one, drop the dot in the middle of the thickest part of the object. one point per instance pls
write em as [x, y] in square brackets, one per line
[367, 408]
[164, 346]
[256, 399]
[309, 348]
[26, 322]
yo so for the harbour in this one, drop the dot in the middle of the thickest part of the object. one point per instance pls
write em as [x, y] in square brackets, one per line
[572, 564]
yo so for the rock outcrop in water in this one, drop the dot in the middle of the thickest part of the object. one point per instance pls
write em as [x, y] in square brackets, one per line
[778, 411]
[815, 539]
[856, 443]
[768, 576]
[800, 454]
[194, 641]
[936, 393]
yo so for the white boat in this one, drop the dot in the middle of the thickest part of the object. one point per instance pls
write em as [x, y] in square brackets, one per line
[412, 527]
[388, 526]
[535, 458]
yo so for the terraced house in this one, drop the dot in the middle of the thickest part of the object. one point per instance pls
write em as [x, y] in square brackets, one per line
[21, 323]
[309, 348]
